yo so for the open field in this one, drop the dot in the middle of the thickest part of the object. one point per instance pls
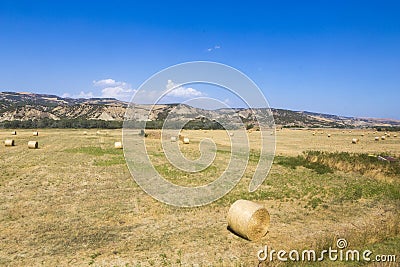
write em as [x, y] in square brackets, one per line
[74, 202]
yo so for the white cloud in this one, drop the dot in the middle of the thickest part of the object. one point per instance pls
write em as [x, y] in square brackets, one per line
[110, 88]
[180, 91]
[213, 48]
[114, 89]
[81, 94]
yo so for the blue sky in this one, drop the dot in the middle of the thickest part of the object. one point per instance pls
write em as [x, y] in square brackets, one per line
[337, 57]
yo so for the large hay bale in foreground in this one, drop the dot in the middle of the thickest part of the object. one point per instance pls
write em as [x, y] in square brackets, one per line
[9, 142]
[248, 219]
[118, 145]
[186, 140]
[14, 133]
[35, 133]
[33, 144]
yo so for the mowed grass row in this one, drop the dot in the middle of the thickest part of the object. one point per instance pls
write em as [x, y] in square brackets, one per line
[73, 202]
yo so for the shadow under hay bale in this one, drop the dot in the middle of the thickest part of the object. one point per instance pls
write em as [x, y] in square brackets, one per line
[9, 142]
[33, 145]
[248, 219]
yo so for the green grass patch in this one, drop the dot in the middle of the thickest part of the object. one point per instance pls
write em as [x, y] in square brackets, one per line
[110, 162]
[293, 162]
[95, 151]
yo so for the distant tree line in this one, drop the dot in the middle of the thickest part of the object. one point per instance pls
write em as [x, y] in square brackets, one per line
[388, 129]
[63, 123]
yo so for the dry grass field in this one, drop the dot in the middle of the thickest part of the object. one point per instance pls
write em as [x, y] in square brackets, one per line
[73, 202]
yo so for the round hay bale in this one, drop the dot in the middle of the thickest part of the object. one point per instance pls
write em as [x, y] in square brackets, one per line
[35, 133]
[362, 134]
[376, 138]
[84, 133]
[33, 144]
[9, 142]
[173, 139]
[248, 219]
[14, 133]
[349, 131]
[342, 131]
[186, 140]
[231, 134]
[118, 145]
[388, 135]
[354, 140]
[395, 135]
[383, 137]
[329, 135]
[98, 132]
[313, 133]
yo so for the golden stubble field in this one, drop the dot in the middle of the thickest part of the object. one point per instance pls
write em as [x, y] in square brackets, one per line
[73, 202]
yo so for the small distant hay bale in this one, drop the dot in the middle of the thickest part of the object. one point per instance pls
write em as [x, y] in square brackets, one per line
[313, 133]
[350, 131]
[342, 131]
[329, 135]
[383, 137]
[98, 132]
[35, 133]
[84, 133]
[376, 138]
[173, 139]
[33, 144]
[355, 140]
[248, 219]
[362, 134]
[9, 142]
[395, 135]
[14, 133]
[388, 135]
[186, 140]
[118, 145]
[231, 134]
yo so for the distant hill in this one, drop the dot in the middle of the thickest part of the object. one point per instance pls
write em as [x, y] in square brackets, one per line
[30, 107]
